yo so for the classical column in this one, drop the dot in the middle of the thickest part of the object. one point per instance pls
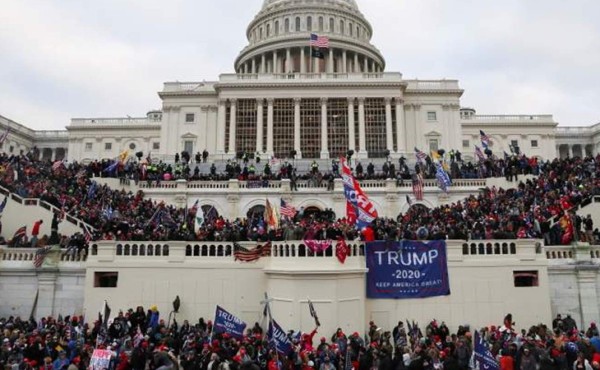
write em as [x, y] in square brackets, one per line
[362, 139]
[344, 62]
[288, 61]
[356, 64]
[221, 127]
[297, 127]
[259, 125]
[570, 150]
[351, 131]
[53, 154]
[330, 67]
[274, 69]
[263, 64]
[232, 124]
[388, 125]
[400, 126]
[270, 126]
[324, 148]
[366, 65]
[253, 65]
[302, 61]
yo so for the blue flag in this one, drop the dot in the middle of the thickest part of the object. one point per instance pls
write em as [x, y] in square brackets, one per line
[3, 204]
[278, 338]
[227, 323]
[484, 360]
[443, 178]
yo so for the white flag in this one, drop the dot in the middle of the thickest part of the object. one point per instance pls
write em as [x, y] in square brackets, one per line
[199, 220]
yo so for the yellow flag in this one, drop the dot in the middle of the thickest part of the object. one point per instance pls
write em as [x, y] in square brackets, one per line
[124, 155]
[435, 156]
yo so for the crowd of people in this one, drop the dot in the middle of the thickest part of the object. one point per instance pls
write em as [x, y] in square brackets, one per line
[139, 340]
[537, 208]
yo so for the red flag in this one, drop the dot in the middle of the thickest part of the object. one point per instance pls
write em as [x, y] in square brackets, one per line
[341, 250]
[350, 213]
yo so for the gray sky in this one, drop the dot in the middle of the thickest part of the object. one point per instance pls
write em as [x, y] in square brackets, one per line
[82, 58]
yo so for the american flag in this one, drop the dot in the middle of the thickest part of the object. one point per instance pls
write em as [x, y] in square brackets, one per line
[57, 165]
[485, 140]
[250, 255]
[479, 153]
[287, 209]
[20, 233]
[319, 41]
[417, 186]
[86, 234]
[421, 156]
[40, 255]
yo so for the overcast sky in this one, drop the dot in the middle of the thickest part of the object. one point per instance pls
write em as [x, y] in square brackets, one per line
[72, 58]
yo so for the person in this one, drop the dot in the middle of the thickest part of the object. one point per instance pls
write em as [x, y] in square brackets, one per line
[528, 361]
[35, 231]
[589, 229]
[581, 363]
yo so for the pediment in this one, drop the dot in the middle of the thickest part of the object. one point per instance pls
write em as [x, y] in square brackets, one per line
[433, 134]
[189, 135]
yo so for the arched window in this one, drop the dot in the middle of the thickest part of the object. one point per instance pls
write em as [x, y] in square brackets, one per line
[331, 25]
[260, 34]
[276, 28]
[268, 30]
[357, 32]
[321, 24]
[309, 23]
[351, 29]
[287, 25]
[342, 27]
[297, 24]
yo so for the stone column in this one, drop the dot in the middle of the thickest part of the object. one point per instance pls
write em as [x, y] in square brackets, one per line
[46, 292]
[302, 61]
[324, 148]
[288, 61]
[263, 64]
[221, 126]
[297, 136]
[356, 64]
[351, 123]
[362, 139]
[317, 63]
[366, 65]
[253, 65]
[270, 126]
[388, 125]
[570, 150]
[330, 66]
[400, 126]
[588, 296]
[274, 69]
[259, 125]
[53, 154]
[344, 62]
[232, 124]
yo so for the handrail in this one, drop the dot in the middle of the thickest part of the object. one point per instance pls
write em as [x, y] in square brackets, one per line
[41, 203]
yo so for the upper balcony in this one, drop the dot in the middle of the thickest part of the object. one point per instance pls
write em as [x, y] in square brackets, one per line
[511, 119]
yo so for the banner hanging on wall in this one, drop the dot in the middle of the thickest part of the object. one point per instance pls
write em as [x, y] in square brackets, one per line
[407, 269]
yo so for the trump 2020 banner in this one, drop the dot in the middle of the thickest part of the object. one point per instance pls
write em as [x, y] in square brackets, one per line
[407, 269]
[278, 338]
[227, 323]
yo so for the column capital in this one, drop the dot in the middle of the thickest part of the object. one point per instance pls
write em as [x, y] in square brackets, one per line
[222, 102]
[270, 101]
[233, 101]
[297, 100]
[324, 101]
[361, 100]
[351, 101]
[260, 101]
[388, 101]
[399, 101]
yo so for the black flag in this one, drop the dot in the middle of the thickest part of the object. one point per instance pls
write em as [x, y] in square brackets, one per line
[317, 53]
[313, 313]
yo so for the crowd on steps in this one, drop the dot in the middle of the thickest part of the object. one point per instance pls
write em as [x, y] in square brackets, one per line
[535, 208]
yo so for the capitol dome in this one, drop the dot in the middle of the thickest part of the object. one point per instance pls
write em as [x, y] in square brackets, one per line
[279, 35]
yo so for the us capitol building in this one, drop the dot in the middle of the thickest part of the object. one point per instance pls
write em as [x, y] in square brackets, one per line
[280, 100]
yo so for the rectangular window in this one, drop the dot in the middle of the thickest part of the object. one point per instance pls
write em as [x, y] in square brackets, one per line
[88, 147]
[525, 278]
[107, 146]
[337, 127]
[534, 143]
[283, 127]
[155, 146]
[310, 128]
[106, 279]
[246, 115]
[433, 145]
[466, 143]
[432, 116]
[188, 146]
[190, 118]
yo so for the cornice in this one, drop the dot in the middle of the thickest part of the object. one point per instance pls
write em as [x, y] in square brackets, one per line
[115, 127]
[321, 84]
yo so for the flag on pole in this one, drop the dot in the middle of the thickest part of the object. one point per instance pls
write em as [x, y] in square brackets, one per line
[484, 360]
[105, 314]
[364, 208]
[199, 219]
[271, 217]
[443, 179]
[435, 156]
[123, 156]
[34, 307]
[409, 201]
[485, 139]
[40, 256]
[228, 323]
[341, 249]
[479, 154]
[287, 209]
[57, 165]
[313, 313]
[417, 186]
[19, 234]
[278, 338]
[319, 41]
[421, 156]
